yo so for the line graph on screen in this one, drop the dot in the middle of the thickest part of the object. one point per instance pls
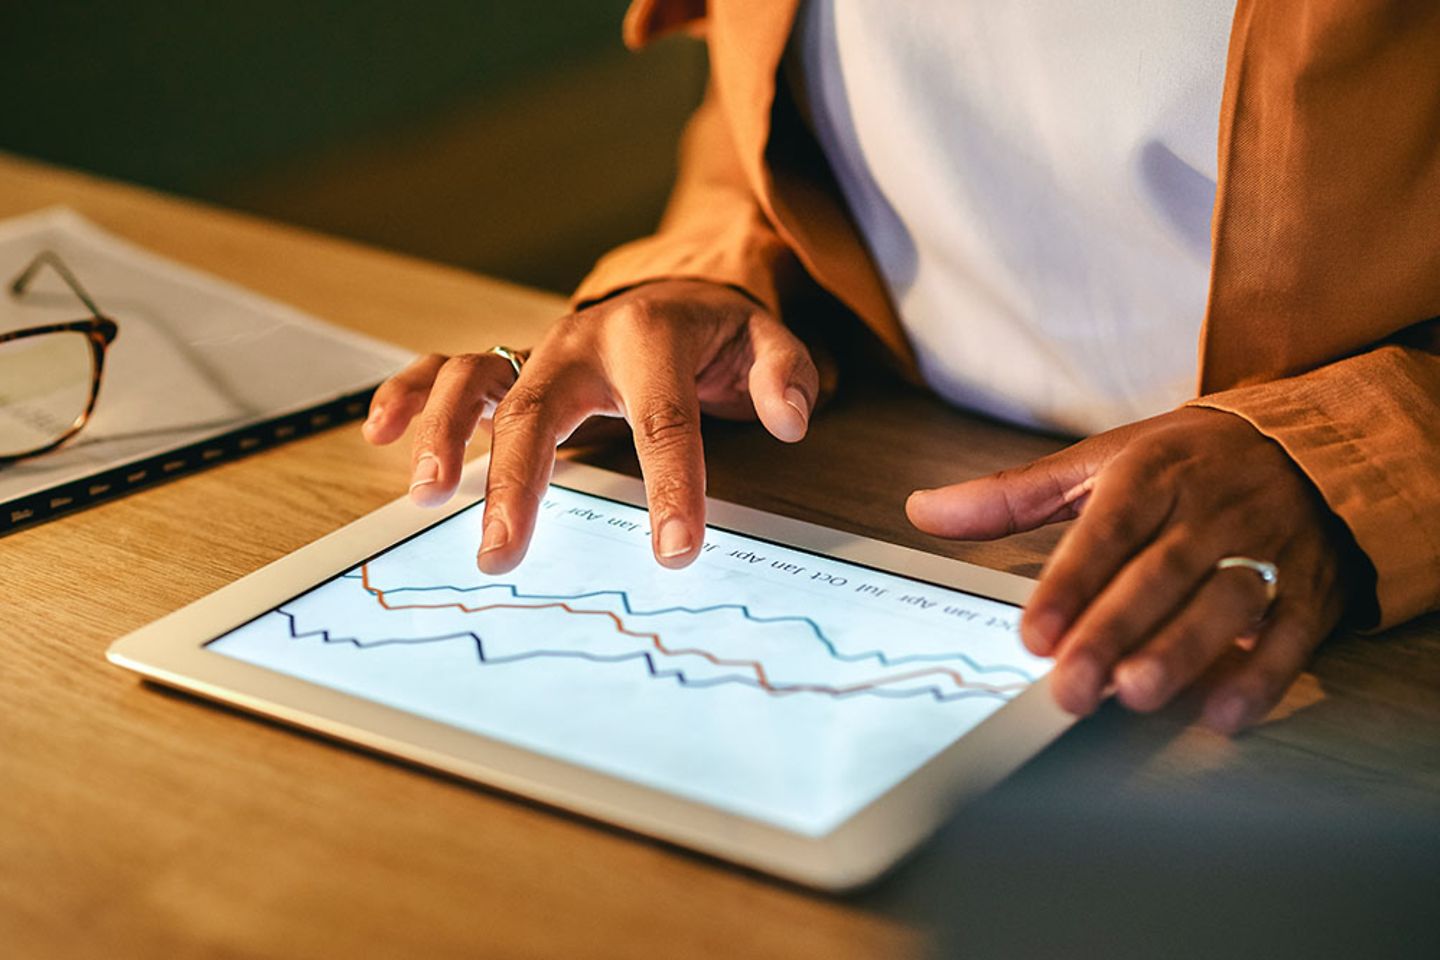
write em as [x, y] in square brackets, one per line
[783, 684]
[694, 647]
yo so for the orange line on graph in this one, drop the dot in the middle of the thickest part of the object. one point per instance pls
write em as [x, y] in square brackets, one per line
[754, 666]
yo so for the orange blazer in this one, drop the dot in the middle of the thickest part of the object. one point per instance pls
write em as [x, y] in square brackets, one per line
[1323, 322]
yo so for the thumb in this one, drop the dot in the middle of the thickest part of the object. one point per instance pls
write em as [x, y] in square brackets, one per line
[1047, 490]
[783, 381]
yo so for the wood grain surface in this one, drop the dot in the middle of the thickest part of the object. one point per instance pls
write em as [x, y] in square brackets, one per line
[138, 823]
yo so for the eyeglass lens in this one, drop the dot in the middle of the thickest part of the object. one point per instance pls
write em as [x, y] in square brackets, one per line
[44, 389]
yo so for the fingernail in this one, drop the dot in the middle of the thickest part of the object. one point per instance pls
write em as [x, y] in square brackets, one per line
[1083, 682]
[674, 538]
[376, 413]
[798, 403]
[918, 500]
[791, 426]
[1042, 629]
[496, 535]
[427, 470]
[1141, 681]
[1229, 715]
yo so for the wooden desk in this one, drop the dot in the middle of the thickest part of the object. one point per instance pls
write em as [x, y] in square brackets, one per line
[139, 823]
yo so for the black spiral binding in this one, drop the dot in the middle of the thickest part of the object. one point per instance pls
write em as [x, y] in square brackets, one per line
[117, 481]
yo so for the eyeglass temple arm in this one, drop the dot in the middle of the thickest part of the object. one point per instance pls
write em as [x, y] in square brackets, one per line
[46, 257]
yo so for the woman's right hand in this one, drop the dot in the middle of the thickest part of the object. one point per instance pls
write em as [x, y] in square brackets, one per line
[657, 355]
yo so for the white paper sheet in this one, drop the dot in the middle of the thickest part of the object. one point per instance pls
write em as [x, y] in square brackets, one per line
[196, 356]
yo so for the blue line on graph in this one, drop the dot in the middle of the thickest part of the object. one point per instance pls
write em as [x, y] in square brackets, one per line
[655, 672]
[878, 656]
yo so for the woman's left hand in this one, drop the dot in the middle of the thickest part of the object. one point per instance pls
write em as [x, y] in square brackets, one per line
[1131, 596]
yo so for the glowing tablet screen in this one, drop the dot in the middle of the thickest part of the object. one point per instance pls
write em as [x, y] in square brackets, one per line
[767, 681]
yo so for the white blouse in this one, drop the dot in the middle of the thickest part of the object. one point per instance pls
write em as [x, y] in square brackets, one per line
[1034, 181]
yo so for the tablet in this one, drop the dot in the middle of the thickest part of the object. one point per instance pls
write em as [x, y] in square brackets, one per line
[801, 701]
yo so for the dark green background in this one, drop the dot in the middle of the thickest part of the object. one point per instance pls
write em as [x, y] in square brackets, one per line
[211, 99]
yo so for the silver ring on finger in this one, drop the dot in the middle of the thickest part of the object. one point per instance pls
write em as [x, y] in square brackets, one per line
[1268, 573]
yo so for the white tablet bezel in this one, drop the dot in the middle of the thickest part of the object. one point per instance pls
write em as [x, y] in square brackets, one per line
[172, 651]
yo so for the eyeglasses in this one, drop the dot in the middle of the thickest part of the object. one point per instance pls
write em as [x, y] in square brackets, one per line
[50, 375]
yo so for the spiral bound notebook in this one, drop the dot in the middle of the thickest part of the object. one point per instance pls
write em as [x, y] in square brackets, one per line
[201, 371]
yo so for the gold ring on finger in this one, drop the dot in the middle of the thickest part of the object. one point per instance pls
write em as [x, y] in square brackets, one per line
[516, 358]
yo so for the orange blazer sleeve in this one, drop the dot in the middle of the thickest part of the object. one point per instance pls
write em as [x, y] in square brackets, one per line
[1324, 322]
[1366, 431]
[713, 228]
